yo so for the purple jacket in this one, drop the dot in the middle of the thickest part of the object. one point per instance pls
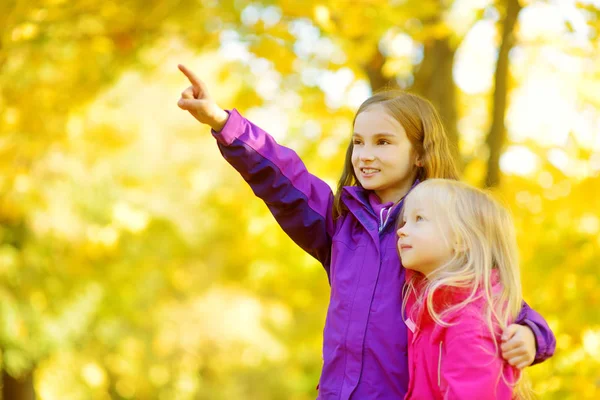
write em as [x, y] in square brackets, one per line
[365, 338]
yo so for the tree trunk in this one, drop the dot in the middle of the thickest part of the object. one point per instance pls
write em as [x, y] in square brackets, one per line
[497, 135]
[373, 69]
[18, 388]
[434, 81]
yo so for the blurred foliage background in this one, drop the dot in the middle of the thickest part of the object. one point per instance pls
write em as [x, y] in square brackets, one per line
[136, 264]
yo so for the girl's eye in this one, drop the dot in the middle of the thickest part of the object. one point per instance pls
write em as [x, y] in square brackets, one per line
[356, 141]
[418, 218]
[381, 142]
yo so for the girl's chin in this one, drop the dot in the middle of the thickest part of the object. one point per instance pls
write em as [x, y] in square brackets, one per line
[369, 184]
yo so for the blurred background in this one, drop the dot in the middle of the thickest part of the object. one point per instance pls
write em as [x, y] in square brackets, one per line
[136, 264]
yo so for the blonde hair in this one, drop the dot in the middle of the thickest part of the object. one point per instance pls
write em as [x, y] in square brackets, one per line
[484, 240]
[423, 128]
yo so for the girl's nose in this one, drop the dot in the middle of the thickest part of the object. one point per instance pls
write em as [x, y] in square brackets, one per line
[400, 232]
[364, 156]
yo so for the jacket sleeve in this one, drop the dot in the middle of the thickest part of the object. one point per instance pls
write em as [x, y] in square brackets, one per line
[544, 338]
[300, 202]
[471, 366]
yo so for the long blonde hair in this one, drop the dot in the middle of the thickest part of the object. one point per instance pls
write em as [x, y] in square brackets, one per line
[423, 128]
[484, 240]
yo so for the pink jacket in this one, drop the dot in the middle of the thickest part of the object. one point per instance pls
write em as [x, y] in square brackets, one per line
[462, 361]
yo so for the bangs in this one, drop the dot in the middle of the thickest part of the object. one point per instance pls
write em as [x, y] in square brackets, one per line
[435, 200]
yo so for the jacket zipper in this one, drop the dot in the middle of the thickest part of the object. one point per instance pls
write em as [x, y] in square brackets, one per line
[383, 223]
[440, 366]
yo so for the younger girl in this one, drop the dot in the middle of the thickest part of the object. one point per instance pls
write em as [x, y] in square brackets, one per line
[398, 140]
[462, 289]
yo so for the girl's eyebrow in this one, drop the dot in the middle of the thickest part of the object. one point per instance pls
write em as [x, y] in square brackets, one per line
[379, 134]
[417, 210]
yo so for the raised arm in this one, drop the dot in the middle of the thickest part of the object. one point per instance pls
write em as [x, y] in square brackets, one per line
[301, 202]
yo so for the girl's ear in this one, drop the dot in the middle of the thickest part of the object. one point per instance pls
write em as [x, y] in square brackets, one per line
[419, 162]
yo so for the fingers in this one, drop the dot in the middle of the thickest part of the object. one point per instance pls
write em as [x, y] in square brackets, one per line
[516, 356]
[197, 85]
[523, 364]
[187, 104]
[516, 353]
[514, 347]
[519, 361]
[509, 332]
[188, 93]
[509, 346]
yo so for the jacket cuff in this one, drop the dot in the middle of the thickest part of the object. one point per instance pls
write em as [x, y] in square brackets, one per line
[232, 129]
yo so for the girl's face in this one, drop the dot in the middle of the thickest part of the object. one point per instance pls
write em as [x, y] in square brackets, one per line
[425, 240]
[382, 155]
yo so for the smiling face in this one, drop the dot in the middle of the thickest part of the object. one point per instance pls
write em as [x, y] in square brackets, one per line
[382, 156]
[425, 241]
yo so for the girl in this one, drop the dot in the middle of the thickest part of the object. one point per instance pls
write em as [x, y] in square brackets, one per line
[462, 287]
[398, 141]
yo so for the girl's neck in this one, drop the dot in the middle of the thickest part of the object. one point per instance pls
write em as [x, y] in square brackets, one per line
[393, 197]
[396, 195]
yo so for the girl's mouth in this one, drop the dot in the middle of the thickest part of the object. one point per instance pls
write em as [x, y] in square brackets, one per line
[369, 171]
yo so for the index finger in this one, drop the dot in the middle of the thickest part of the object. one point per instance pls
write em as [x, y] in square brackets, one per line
[195, 81]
